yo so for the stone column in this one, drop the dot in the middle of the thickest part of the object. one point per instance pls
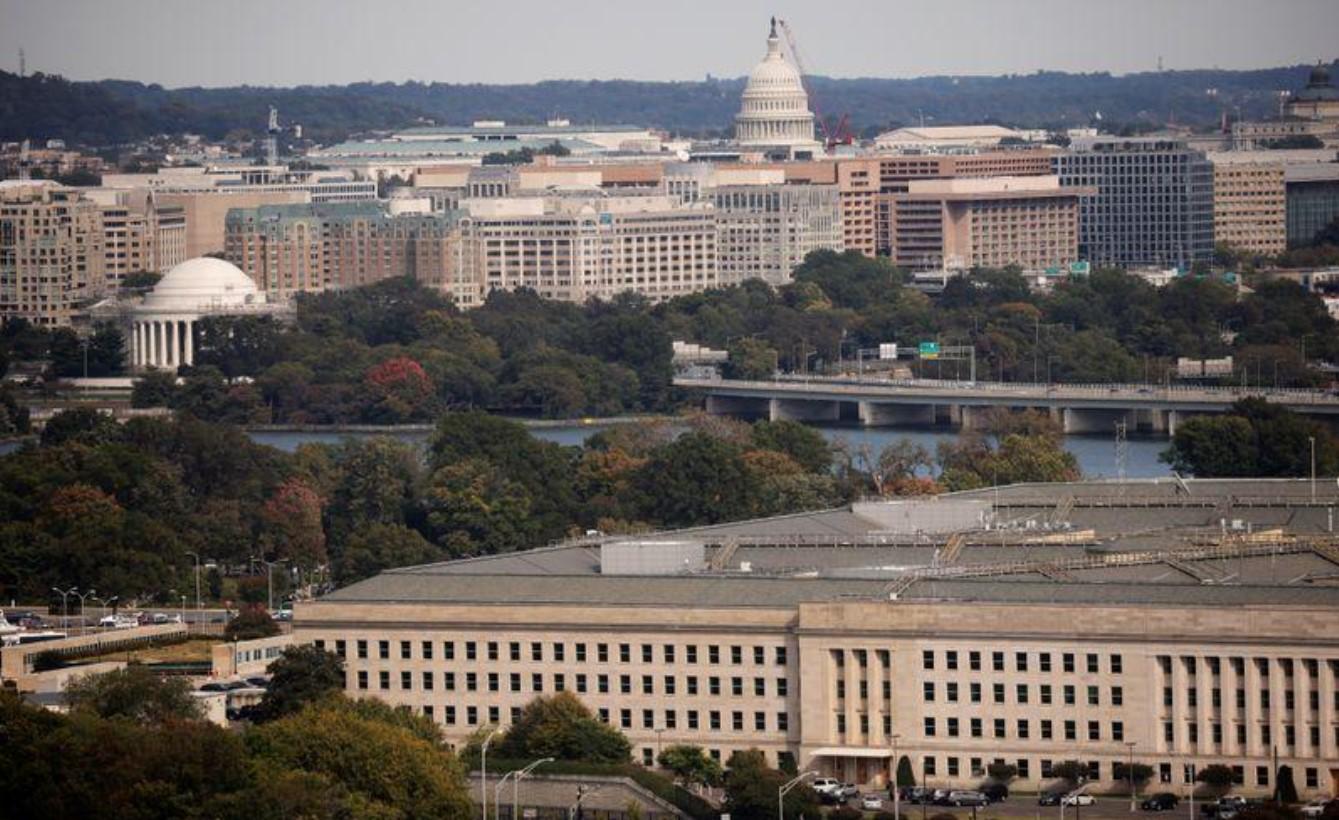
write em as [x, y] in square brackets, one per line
[1180, 708]
[190, 342]
[1227, 712]
[1254, 713]
[135, 347]
[1328, 748]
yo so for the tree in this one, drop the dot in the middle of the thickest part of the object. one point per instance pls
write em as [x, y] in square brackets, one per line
[1285, 790]
[376, 547]
[252, 622]
[473, 508]
[293, 531]
[1002, 772]
[1073, 772]
[691, 765]
[155, 388]
[906, 777]
[82, 424]
[1216, 776]
[300, 676]
[1140, 773]
[134, 693]
[751, 790]
[695, 479]
[751, 359]
[803, 444]
[560, 726]
[375, 752]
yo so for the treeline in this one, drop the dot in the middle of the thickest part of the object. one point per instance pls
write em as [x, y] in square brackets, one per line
[1254, 439]
[117, 508]
[395, 352]
[44, 106]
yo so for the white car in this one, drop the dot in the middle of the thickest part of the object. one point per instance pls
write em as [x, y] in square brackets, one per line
[823, 785]
[1078, 800]
[871, 802]
[1316, 807]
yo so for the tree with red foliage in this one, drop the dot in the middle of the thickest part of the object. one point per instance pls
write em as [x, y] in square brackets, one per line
[292, 520]
[398, 390]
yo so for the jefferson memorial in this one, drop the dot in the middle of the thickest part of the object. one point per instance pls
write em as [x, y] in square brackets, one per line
[162, 325]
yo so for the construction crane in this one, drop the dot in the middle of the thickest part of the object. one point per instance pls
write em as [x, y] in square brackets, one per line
[272, 138]
[841, 135]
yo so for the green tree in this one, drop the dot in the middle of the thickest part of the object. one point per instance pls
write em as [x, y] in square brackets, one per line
[695, 479]
[1213, 446]
[560, 726]
[751, 789]
[82, 424]
[388, 769]
[1216, 776]
[471, 507]
[803, 444]
[300, 676]
[1001, 772]
[135, 693]
[690, 764]
[1139, 773]
[373, 548]
[751, 359]
[155, 388]
[906, 777]
[1072, 772]
[1285, 790]
[252, 622]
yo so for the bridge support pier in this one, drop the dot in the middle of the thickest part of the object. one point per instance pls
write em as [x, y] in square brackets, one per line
[1097, 421]
[804, 410]
[738, 406]
[873, 414]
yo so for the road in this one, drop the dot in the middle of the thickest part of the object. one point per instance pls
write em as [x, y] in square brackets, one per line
[1023, 806]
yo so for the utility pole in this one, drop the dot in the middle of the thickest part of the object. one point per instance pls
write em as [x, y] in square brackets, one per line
[897, 787]
[1129, 771]
[196, 556]
[1312, 439]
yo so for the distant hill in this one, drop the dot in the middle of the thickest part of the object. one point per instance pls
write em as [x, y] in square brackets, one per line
[113, 111]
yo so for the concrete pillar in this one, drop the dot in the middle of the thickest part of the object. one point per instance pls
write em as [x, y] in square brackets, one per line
[967, 417]
[135, 346]
[1328, 750]
[1180, 707]
[1170, 426]
[1302, 687]
[803, 410]
[1254, 744]
[1227, 713]
[874, 414]
[190, 342]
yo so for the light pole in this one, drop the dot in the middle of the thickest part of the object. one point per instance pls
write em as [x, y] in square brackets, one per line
[269, 577]
[1312, 439]
[483, 773]
[516, 784]
[897, 787]
[785, 788]
[105, 602]
[196, 556]
[497, 795]
[82, 596]
[1129, 771]
[65, 604]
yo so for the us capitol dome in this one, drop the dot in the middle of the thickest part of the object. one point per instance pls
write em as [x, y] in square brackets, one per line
[774, 111]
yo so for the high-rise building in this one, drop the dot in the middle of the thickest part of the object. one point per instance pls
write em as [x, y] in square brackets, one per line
[288, 249]
[1153, 203]
[51, 252]
[774, 114]
[1031, 222]
[1249, 210]
[857, 181]
[575, 248]
[1312, 194]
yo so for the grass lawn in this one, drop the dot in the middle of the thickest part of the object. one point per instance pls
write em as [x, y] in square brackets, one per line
[195, 649]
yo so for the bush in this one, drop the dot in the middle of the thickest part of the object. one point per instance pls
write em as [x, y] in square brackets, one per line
[251, 623]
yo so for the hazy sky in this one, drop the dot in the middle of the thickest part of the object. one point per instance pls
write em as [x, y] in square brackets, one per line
[291, 42]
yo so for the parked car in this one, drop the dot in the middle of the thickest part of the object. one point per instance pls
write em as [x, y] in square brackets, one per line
[871, 802]
[258, 682]
[848, 791]
[916, 795]
[1078, 799]
[215, 686]
[1049, 798]
[1316, 807]
[832, 797]
[995, 792]
[964, 797]
[1232, 801]
[1162, 801]
[939, 797]
[823, 785]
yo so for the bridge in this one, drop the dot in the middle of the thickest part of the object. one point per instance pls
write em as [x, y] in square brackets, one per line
[1078, 408]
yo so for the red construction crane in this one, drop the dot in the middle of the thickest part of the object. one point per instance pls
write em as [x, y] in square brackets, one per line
[841, 135]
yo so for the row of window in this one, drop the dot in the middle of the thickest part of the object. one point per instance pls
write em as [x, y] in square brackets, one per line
[1239, 701]
[715, 720]
[1022, 693]
[1021, 661]
[1266, 734]
[1022, 729]
[646, 684]
[557, 651]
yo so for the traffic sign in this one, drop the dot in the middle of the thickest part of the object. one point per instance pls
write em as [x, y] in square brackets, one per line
[929, 350]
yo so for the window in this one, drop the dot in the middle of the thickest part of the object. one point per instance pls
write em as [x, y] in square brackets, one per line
[1020, 692]
[1046, 730]
[782, 721]
[760, 721]
[624, 653]
[1020, 661]
[781, 687]
[930, 766]
[1092, 663]
[1117, 696]
[648, 685]
[928, 659]
[667, 652]
[975, 692]
[384, 650]
[737, 687]
[951, 659]
[997, 661]
[558, 652]
[648, 719]
[714, 720]
[974, 661]
[537, 682]
[1044, 664]
[602, 652]
[362, 678]
[647, 652]
[736, 655]
[362, 649]
[1116, 665]
[559, 682]
[625, 718]
[625, 684]
[1069, 695]
[340, 649]
[1046, 694]
[384, 679]
[1071, 730]
[781, 656]
[952, 727]
[997, 692]
[759, 655]
[929, 725]
[1093, 698]
[713, 654]
[692, 719]
[951, 692]
[492, 650]
[975, 725]
[581, 653]
[1118, 730]
[671, 719]
[1021, 729]
[929, 691]
[669, 684]
[581, 683]
[449, 715]
[471, 651]
[514, 650]
[714, 686]
[492, 682]
[999, 727]
[841, 688]
[426, 650]
[759, 687]
[690, 653]
[1067, 661]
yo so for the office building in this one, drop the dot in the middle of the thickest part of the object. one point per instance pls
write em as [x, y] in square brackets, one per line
[1170, 622]
[857, 180]
[1153, 203]
[958, 224]
[1249, 205]
[937, 139]
[288, 249]
[578, 247]
[1312, 196]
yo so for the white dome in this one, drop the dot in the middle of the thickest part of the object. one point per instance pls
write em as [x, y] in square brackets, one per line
[774, 109]
[200, 282]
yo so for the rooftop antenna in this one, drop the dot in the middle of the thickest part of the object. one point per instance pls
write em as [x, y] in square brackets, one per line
[23, 64]
[1159, 62]
[24, 161]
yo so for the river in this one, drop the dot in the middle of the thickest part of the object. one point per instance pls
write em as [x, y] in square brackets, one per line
[1096, 454]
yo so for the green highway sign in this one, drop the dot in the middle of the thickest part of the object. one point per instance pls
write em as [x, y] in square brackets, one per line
[929, 350]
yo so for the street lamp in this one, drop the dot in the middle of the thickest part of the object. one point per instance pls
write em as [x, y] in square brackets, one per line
[82, 596]
[1129, 771]
[105, 602]
[786, 787]
[269, 576]
[516, 783]
[196, 556]
[65, 604]
[1312, 439]
[483, 773]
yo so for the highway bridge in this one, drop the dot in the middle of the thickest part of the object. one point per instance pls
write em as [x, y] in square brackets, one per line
[1078, 408]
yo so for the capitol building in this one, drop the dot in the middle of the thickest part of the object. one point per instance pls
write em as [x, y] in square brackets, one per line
[774, 115]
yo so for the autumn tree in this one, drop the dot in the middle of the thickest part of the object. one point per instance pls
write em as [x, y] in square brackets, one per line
[292, 524]
[134, 693]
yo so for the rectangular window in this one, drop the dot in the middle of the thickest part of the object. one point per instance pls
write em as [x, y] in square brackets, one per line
[427, 650]
[999, 727]
[384, 679]
[998, 692]
[781, 687]
[1071, 730]
[625, 653]
[782, 722]
[1116, 665]
[951, 659]
[581, 683]
[997, 661]
[760, 655]
[669, 684]
[625, 718]
[1044, 664]
[671, 719]
[951, 692]
[602, 653]
[647, 652]
[759, 721]
[975, 725]
[737, 687]
[558, 652]
[581, 653]
[625, 684]
[952, 727]
[736, 655]
[1069, 695]
[449, 715]
[713, 654]
[492, 650]
[974, 661]
[471, 651]
[537, 682]
[928, 691]
[559, 682]
[759, 687]
[492, 682]
[1021, 727]
[1046, 730]
[384, 650]
[1117, 696]
[692, 719]
[648, 685]
[362, 678]
[929, 725]
[714, 720]
[1093, 698]
[514, 651]
[1092, 663]
[1046, 694]
[1067, 661]
[648, 719]
[690, 653]
[1020, 661]
[714, 687]
[780, 656]
[667, 652]
[536, 651]
[362, 649]
[1118, 730]
[1020, 692]
[928, 659]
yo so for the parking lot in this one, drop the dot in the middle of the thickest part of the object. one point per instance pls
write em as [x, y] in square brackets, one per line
[1025, 806]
